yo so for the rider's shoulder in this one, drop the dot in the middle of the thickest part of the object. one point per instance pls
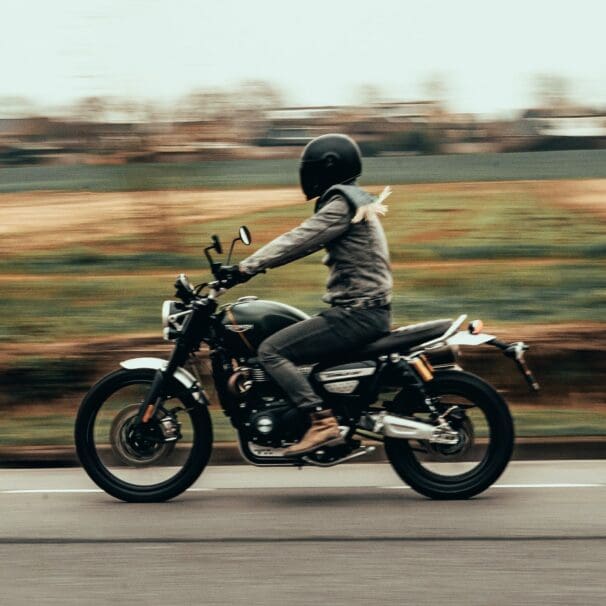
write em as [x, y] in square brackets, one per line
[335, 203]
[352, 195]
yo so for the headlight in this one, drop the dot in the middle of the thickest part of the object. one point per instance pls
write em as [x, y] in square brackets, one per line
[173, 316]
[168, 309]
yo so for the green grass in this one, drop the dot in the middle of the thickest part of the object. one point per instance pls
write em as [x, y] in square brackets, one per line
[486, 231]
[88, 260]
[501, 251]
[466, 225]
[490, 225]
[559, 422]
[449, 225]
[47, 310]
[31, 429]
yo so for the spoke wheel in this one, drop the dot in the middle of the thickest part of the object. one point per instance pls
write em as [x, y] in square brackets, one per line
[485, 439]
[134, 461]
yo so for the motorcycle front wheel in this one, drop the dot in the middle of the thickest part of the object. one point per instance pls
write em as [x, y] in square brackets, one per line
[135, 462]
[485, 443]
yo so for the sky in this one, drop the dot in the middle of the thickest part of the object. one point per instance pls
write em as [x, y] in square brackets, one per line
[318, 52]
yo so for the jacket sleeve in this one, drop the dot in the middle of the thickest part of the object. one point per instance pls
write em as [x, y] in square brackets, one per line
[329, 223]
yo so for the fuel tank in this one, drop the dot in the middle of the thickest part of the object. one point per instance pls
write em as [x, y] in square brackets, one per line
[249, 321]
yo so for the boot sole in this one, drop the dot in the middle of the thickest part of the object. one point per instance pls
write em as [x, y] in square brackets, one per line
[333, 442]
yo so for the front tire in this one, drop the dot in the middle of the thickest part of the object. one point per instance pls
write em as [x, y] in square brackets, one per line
[143, 470]
[424, 472]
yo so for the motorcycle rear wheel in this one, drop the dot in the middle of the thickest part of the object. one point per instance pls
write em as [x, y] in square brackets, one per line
[442, 472]
[147, 469]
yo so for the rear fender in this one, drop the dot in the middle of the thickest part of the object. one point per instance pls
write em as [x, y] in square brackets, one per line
[466, 338]
[182, 375]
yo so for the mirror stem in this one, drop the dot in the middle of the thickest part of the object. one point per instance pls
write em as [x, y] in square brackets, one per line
[231, 250]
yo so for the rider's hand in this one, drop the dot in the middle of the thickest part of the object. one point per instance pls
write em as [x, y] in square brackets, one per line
[230, 275]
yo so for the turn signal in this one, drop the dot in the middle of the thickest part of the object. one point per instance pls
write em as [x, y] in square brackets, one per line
[475, 327]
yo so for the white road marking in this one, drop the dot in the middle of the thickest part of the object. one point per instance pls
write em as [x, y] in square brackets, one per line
[78, 490]
[520, 486]
[548, 485]
[50, 490]
[399, 487]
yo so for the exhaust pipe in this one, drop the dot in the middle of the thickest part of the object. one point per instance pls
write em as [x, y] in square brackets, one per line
[404, 428]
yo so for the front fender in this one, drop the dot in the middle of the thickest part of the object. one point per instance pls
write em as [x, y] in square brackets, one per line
[181, 374]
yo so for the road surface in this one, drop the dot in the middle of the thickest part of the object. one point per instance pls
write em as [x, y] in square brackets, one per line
[346, 535]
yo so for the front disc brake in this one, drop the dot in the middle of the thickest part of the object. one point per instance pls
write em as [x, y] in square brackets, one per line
[138, 446]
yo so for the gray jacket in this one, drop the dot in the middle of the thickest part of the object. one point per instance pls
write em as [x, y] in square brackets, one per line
[358, 257]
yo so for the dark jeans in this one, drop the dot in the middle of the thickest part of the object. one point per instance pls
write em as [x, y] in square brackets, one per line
[336, 331]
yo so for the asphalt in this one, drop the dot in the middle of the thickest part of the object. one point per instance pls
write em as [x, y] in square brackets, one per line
[352, 534]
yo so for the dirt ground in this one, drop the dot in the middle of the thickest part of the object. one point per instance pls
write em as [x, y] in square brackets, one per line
[37, 221]
[588, 195]
[45, 220]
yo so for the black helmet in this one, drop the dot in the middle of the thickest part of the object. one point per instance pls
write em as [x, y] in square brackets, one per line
[326, 161]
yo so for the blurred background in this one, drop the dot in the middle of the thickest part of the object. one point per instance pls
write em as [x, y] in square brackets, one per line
[131, 132]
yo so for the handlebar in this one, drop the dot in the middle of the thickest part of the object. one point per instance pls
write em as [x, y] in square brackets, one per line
[226, 276]
[215, 289]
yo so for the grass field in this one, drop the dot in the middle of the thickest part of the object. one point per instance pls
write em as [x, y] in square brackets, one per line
[77, 265]
[63, 307]
[523, 252]
[582, 164]
[30, 427]
[529, 422]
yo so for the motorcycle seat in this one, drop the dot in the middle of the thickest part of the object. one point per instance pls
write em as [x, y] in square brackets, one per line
[403, 339]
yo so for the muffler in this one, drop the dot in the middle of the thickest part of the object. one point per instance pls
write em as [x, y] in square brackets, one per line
[405, 428]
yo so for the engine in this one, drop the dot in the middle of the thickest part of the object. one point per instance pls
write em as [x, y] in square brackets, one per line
[275, 425]
[267, 418]
[261, 414]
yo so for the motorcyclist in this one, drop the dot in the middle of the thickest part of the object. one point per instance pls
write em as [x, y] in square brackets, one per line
[345, 223]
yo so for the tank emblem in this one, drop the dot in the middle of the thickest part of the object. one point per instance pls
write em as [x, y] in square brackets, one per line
[239, 327]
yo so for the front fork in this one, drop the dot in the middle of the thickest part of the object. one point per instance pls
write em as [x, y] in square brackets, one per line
[157, 392]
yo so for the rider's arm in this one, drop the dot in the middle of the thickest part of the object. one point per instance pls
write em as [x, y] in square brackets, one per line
[322, 227]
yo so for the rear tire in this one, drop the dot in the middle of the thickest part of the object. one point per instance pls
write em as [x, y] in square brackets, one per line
[499, 447]
[98, 469]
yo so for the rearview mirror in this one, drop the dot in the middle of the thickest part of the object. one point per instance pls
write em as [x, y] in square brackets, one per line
[245, 235]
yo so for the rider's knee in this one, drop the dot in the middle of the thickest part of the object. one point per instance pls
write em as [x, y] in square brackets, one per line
[267, 352]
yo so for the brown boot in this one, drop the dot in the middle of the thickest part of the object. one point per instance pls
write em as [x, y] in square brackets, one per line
[324, 431]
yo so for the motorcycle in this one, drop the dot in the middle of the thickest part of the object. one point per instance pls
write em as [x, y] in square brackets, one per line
[143, 433]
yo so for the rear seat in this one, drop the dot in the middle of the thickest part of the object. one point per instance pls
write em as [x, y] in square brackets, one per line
[403, 339]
